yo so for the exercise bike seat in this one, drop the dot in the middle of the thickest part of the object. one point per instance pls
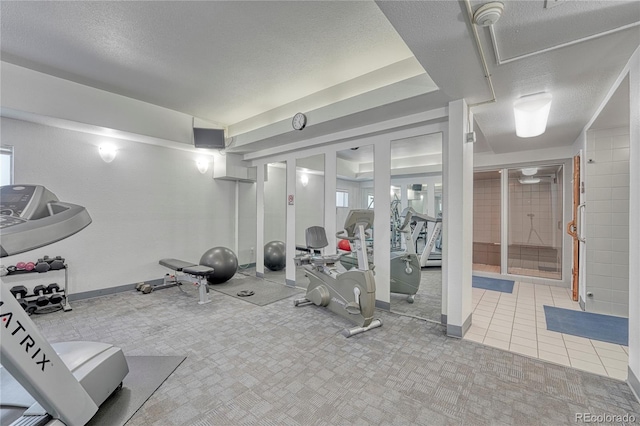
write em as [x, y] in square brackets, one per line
[316, 238]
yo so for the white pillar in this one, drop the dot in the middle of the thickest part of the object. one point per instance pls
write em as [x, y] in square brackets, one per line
[458, 219]
[634, 224]
[262, 169]
[290, 273]
[330, 187]
[382, 232]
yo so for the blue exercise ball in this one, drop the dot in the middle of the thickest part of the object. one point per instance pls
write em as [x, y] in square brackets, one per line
[224, 263]
[275, 255]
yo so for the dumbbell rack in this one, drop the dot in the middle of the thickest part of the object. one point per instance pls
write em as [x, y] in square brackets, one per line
[64, 304]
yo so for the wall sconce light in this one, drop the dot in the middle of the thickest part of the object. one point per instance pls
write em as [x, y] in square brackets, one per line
[107, 152]
[531, 114]
[304, 179]
[203, 165]
[529, 171]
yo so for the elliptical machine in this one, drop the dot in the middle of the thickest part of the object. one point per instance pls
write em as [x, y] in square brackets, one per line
[350, 294]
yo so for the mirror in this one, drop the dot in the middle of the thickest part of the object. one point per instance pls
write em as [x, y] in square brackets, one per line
[416, 226]
[275, 219]
[309, 204]
[354, 190]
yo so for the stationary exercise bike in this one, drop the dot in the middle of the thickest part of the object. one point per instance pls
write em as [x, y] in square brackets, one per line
[350, 294]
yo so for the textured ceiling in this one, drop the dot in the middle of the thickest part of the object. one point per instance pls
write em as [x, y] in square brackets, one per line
[221, 61]
[578, 76]
[235, 62]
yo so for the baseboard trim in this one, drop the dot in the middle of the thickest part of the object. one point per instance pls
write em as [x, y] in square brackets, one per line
[383, 305]
[634, 383]
[290, 283]
[443, 319]
[260, 274]
[459, 331]
[111, 290]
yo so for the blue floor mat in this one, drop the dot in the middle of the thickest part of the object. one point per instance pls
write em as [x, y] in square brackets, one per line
[495, 284]
[605, 328]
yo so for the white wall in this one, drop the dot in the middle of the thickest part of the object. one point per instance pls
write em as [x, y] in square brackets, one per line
[607, 221]
[149, 203]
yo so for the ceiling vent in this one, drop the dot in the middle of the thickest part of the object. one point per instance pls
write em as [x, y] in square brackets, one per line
[488, 14]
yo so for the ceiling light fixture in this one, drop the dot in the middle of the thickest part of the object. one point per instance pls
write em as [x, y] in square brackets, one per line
[531, 114]
[529, 180]
[488, 14]
[529, 171]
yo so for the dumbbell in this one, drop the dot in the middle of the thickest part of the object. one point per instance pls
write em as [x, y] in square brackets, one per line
[55, 299]
[42, 266]
[40, 290]
[57, 263]
[19, 292]
[42, 301]
[31, 307]
[53, 288]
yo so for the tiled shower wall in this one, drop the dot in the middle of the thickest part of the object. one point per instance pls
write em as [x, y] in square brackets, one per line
[486, 221]
[607, 221]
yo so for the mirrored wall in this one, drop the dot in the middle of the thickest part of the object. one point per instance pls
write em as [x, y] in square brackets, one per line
[354, 191]
[309, 204]
[416, 226]
[275, 220]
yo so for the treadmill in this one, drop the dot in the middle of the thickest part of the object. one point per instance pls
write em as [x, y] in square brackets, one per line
[44, 384]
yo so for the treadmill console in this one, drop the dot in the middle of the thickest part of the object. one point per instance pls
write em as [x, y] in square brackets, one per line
[31, 216]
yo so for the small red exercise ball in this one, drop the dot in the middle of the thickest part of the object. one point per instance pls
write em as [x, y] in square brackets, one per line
[344, 245]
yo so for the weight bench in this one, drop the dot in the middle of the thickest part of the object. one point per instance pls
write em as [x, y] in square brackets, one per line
[186, 269]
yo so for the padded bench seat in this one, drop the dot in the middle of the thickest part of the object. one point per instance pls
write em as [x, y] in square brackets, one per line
[175, 264]
[198, 270]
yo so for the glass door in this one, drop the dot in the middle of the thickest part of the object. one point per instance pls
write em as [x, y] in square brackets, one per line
[535, 228]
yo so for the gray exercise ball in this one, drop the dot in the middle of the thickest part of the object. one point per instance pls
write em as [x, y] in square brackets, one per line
[223, 261]
[274, 255]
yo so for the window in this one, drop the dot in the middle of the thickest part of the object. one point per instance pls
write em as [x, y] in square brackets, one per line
[369, 201]
[6, 165]
[342, 199]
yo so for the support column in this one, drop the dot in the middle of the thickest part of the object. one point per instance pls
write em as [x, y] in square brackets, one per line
[330, 187]
[290, 273]
[458, 219]
[634, 224]
[382, 232]
[262, 169]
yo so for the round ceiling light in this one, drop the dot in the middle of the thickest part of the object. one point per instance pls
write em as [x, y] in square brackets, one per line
[488, 14]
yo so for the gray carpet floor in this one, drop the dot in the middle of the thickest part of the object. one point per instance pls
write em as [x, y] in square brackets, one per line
[281, 365]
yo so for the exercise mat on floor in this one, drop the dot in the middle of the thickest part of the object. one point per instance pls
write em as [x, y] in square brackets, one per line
[605, 328]
[494, 284]
[264, 292]
[146, 374]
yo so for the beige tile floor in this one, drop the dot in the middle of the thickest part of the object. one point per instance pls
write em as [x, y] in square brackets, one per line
[517, 271]
[516, 322]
